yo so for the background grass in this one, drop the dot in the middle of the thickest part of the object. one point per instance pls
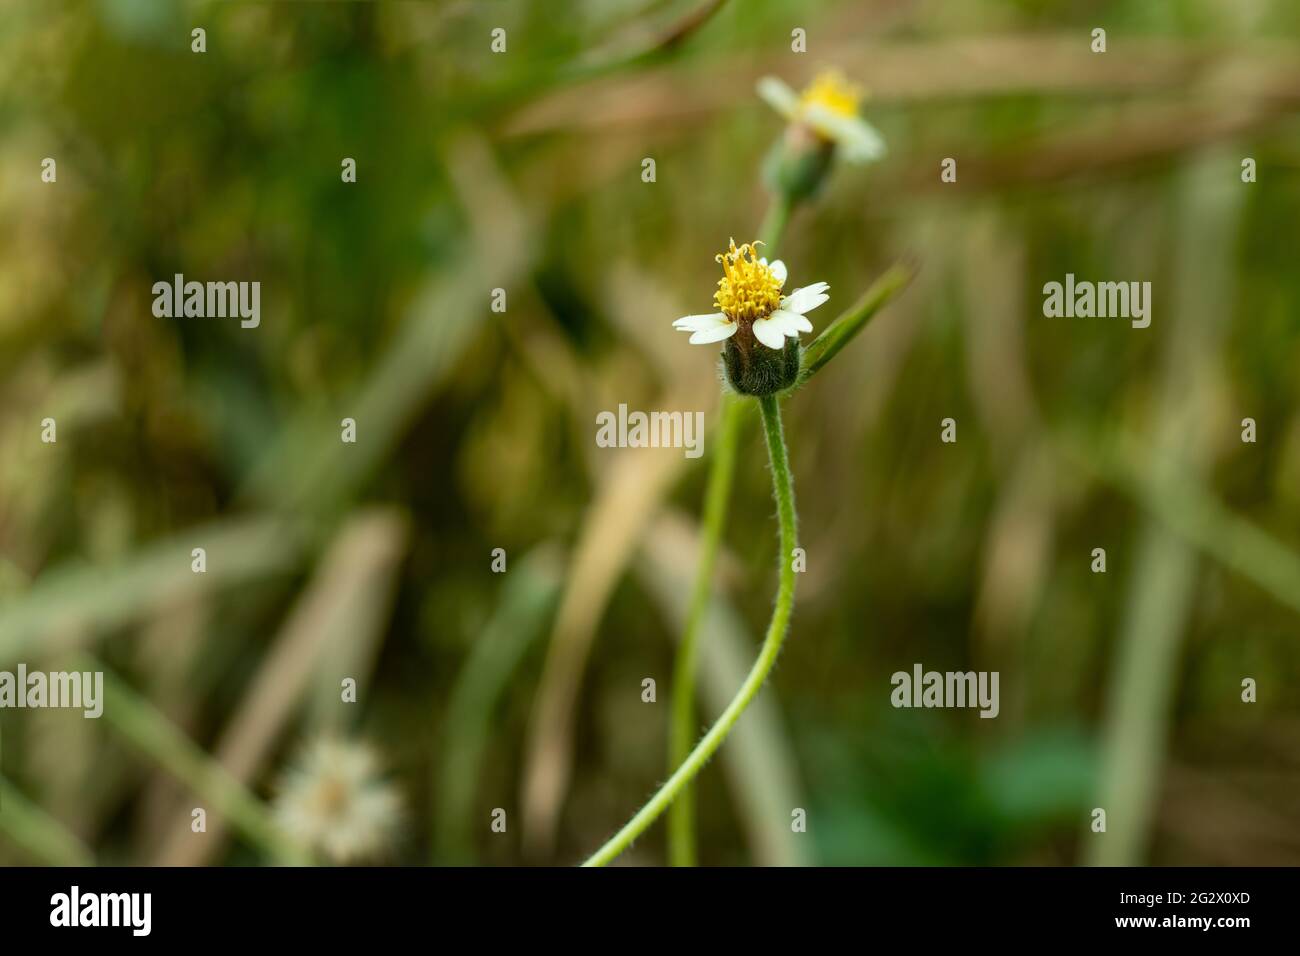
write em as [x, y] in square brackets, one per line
[476, 430]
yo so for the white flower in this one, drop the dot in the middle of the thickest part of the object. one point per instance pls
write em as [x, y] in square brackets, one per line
[749, 297]
[829, 107]
[334, 801]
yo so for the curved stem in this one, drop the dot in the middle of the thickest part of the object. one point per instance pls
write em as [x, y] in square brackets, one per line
[681, 818]
[783, 491]
[681, 821]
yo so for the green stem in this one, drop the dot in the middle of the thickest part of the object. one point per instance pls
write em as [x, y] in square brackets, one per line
[681, 818]
[778, 214]
[783, 491]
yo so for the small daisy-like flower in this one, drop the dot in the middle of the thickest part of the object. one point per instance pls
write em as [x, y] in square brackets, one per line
[829, 108]
[758, 326]
[335, 802]
[750, 303]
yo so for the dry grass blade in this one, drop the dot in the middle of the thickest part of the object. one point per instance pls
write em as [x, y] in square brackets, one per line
[934, 70]
[1140, 692]
[607, 540]
[83, 599]
[339, 618]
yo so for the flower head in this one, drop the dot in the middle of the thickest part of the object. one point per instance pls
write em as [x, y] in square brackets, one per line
[760, 325]
[749, 302]
[334, 801]
[829, 109]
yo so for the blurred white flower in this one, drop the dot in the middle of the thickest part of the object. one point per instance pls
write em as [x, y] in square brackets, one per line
[333, 799]
[829, 107]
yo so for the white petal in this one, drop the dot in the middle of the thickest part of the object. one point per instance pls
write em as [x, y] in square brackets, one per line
[778, 270]
[861, 143]
[806, 299]
[792, 323]
[782, 322]
[694, 323]
[715, 334]
[779, 96]
[770, 333]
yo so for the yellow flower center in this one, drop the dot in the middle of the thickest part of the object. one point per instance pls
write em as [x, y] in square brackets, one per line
[748, 289]
[832, 91]
[331, 796]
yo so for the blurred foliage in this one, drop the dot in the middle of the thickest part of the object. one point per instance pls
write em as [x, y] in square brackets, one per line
[522, 171]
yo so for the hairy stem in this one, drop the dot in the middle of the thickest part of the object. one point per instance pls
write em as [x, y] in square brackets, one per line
[682, 735]
[783, 491]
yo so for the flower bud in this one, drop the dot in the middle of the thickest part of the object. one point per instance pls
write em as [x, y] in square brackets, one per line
[751, 368]
[797, 165]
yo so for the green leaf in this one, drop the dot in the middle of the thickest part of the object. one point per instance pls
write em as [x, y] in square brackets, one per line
[840, 332]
